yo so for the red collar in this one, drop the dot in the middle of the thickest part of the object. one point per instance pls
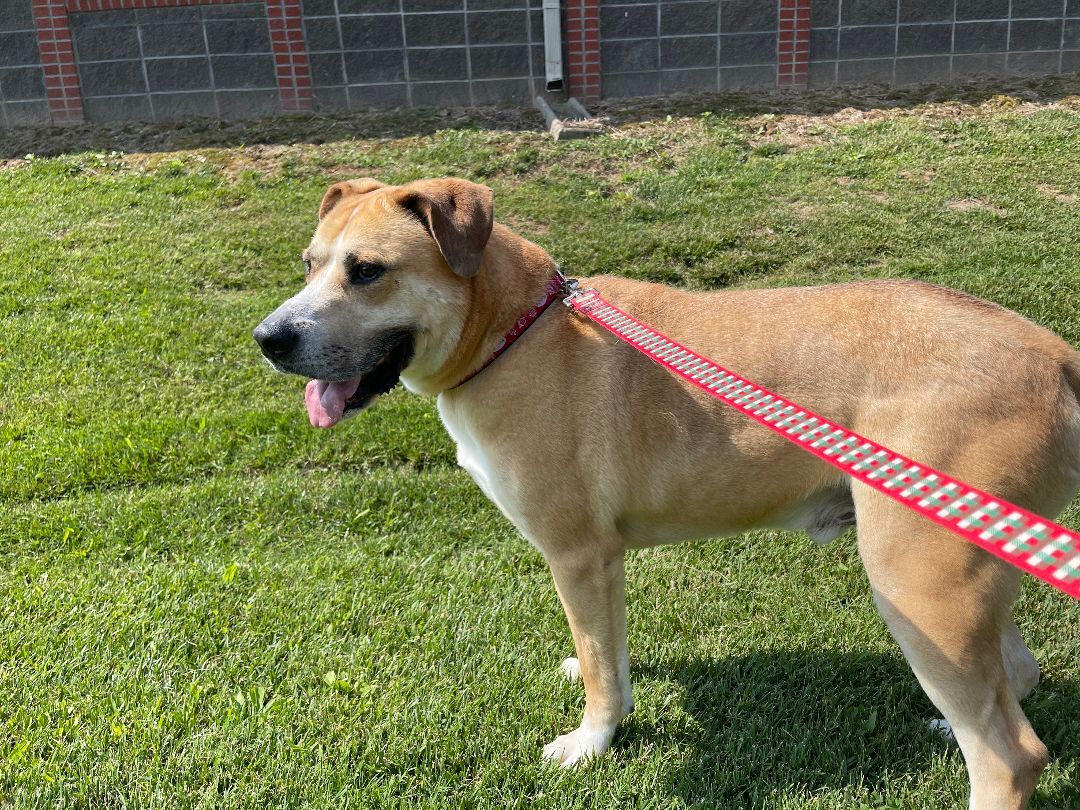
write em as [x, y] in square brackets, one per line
[527, 319]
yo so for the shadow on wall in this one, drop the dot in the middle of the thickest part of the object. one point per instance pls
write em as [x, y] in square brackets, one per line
[818, 720]
[325, 128]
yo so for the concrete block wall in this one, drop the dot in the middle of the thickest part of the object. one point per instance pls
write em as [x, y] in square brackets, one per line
[671, 46]
[22, 75]
[162, 64]
[114, 60]
[384, 53]
[914, 41]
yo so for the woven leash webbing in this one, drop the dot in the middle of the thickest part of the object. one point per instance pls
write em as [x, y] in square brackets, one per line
[1039, 546]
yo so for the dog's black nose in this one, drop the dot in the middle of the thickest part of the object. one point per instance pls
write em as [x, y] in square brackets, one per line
[277, 340]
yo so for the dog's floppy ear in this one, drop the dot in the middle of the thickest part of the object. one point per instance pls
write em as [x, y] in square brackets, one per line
[337, 192]
[458, 215]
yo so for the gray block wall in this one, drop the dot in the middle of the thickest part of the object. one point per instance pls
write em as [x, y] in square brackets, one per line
[22, 79]
[914, 41]
[164, 64]
[379, 53]
[215, 60]
[675, 46]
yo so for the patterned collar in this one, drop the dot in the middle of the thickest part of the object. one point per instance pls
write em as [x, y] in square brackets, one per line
[527, 319]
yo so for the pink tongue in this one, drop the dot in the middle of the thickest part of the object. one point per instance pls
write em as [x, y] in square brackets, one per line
[326, 400]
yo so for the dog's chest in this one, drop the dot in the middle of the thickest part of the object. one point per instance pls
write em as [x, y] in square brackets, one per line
[473, 459]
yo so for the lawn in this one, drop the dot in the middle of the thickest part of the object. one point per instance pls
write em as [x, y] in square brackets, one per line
[206, 603]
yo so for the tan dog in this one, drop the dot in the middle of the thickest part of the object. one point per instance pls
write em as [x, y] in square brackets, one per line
[416, 281]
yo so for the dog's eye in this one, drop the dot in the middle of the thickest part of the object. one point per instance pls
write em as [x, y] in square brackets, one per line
[307, 266]
[365, 272]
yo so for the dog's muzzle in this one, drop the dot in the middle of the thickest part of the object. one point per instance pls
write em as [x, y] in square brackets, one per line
[277, 339]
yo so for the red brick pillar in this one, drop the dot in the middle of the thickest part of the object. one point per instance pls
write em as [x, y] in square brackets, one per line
[290, 54]
[58, 59]
[793, 46]
[583, 46]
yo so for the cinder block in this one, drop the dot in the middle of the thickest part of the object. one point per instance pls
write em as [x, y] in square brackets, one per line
[19, 48]
[629, 55]
[237, 72]
[498, 28]
[374, 67]
[178, 106]
[183, 73]
[745, 16]
[247, 103]
[919, 40]
[688, 18]
[112, 79]
[628, 22]
[747, 49]
[238, 36]
[696, 80]
[117, 108]
[501, 91]
[377, 95]
[434, 64]
[981, 37]
[921, 69]
[22, 83]
[172, 39]
[431, 30]
[499, 62]
[374, 31]
[441, 94]
[688, 52]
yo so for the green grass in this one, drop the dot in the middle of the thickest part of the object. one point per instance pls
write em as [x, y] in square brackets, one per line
[206, 603]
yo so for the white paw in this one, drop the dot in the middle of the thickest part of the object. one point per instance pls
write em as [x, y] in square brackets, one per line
[578, 746]
[571, 668]
[943, 728]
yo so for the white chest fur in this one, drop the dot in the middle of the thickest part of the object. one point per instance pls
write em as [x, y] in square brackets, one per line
[472, 457]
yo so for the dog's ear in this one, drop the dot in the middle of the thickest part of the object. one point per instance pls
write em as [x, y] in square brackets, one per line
[458, 215]
[337, 192]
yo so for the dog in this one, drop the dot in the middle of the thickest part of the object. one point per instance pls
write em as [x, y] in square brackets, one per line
[417, 283]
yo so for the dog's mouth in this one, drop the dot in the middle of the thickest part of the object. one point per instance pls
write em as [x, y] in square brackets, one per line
[330, 401]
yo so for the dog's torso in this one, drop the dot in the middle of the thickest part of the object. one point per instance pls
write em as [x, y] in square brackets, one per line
[570, 418]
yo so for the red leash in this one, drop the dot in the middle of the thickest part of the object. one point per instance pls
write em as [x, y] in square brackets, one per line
[1039, 546]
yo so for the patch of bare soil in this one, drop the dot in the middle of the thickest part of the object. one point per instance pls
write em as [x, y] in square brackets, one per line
[924, 175]
[312, 128]
[974, 204]
[525, 225]
[1057, 194]
[803, 119]
[790, 119]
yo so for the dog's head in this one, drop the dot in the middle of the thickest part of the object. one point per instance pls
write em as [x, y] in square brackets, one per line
[386, 290]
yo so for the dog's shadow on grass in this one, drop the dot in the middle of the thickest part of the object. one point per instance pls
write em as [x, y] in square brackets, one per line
[817, 720]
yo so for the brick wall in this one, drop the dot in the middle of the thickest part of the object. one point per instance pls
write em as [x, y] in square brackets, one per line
[108, 60]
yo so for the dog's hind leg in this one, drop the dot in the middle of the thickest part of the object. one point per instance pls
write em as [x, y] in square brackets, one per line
[947, 604]
[591, 583]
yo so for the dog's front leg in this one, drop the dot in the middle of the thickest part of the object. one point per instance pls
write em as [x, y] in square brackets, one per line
[592, 588]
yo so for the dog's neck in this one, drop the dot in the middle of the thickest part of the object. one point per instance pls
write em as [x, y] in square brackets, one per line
[513, 276]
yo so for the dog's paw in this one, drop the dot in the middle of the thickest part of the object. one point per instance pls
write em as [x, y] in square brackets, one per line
[942, 727]
[571, 668]
[577, 747]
